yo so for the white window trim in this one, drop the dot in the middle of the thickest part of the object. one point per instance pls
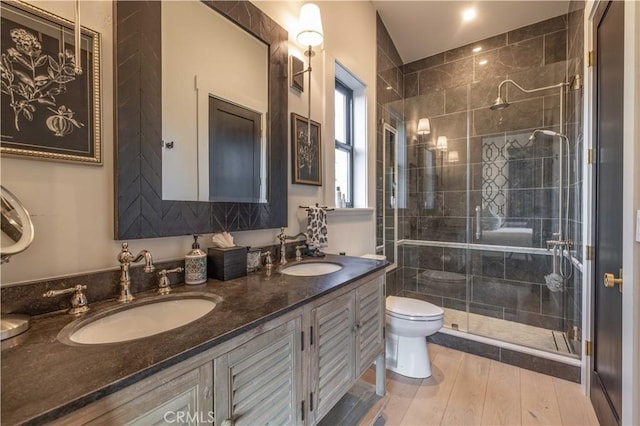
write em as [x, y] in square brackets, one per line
[359, 138]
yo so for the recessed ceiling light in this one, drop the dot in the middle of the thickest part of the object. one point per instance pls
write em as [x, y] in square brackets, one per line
[476, 49]
[483, 62]
[469, 14]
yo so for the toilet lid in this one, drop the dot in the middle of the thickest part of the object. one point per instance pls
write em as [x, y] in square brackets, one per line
[408, 307]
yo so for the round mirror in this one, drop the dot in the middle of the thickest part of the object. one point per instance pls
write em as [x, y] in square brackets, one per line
[17, 228]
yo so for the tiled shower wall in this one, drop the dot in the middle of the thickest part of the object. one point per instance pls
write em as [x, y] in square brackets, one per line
[454, 90]
[499, 170]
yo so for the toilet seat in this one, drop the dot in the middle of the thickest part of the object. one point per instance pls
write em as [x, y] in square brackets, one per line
[413, 309]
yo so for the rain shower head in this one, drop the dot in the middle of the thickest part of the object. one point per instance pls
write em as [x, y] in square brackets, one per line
[499, 103]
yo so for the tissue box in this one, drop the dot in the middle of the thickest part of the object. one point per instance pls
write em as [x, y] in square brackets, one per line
[227, 263]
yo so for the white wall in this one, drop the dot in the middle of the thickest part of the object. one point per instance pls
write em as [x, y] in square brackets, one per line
[211, 56]
[349, 38]
[72, 205]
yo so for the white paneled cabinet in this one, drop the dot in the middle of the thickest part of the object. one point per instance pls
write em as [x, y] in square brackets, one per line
[332, 351]
[369, 323]
[181, 395]
[291, 370]
[347, 335]
[259, 382]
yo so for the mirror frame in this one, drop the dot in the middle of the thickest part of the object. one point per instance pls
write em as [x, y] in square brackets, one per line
[28, 230]
[140, 211]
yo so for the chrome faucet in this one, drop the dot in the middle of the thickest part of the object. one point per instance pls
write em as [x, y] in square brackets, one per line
[126, 258]
[283, 239]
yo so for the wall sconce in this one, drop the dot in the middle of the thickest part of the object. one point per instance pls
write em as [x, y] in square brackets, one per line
[453, 157]
[424, 126]
[442, 144]
[310, 34]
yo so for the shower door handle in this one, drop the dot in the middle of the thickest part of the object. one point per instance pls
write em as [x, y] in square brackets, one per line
[478, 220]
[610, 280]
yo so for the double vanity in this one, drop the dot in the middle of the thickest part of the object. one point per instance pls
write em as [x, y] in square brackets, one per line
[277, 346]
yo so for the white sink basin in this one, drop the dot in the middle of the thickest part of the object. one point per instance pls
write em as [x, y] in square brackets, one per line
[145, 319]
[311, 269]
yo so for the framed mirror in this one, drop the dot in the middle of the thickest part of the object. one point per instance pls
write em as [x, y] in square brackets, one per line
[17, 228]
[141, 210]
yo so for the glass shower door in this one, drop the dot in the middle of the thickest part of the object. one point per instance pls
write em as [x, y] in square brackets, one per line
[390, 193]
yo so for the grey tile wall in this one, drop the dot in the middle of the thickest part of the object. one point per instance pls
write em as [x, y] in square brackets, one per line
[454, 90]
[502, 285]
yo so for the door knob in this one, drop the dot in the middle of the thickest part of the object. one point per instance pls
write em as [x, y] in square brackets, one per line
[610, 280]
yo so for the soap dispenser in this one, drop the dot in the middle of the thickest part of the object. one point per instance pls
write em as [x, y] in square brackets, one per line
[195, 264]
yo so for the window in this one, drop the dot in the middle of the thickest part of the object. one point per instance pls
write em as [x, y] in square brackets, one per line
[344, 144]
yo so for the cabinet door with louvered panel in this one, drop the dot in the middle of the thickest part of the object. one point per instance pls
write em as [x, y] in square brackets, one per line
[369, 323]
[332, 363]
[168, 397]
[258, 383]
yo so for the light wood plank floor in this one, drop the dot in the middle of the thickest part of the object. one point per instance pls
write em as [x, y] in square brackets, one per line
[469, 390]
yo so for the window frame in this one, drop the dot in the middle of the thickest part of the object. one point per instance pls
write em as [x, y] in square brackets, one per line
[347, 146]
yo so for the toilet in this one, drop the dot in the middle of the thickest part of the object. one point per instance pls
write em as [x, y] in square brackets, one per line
[409, 322]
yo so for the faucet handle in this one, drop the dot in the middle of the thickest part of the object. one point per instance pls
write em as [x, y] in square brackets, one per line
[268, 261]
[164, 286]
[299, 253]
[79, 303]
[125, 255]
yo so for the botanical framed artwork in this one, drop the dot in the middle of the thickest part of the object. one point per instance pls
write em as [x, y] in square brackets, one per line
[306, 152]
[48, 111]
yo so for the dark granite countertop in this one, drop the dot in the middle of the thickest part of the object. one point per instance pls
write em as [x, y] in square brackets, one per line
[43, 379]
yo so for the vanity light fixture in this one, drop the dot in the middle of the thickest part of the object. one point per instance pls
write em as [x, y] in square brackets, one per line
[310, 34]
[442, 143]
[424, 126]
[453, 157]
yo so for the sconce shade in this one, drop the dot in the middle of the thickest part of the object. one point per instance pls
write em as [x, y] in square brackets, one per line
[442, 143]
[424, 127]
[453, 157]
[310, 25]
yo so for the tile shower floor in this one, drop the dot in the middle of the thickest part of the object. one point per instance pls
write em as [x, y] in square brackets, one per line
[508, 331]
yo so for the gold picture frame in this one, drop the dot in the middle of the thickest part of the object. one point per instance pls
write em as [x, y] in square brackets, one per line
[306, 152]
[48, 111]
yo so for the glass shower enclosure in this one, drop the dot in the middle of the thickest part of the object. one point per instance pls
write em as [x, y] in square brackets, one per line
[475, 204]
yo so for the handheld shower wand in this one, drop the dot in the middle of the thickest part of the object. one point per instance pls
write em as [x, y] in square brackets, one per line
[554, 280]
